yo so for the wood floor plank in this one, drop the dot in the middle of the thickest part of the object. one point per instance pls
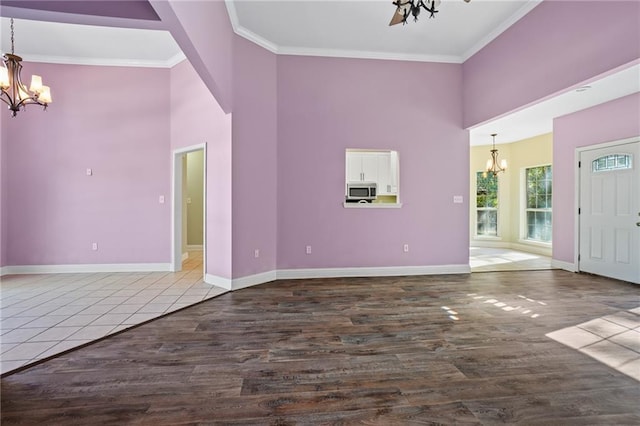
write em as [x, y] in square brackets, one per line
[378, 351]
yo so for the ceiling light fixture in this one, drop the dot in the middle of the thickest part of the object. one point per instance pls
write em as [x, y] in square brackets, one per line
[13, 92]
[492, 163]
[406, 8]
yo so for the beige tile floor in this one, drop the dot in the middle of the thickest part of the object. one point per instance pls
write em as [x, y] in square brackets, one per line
[45, 314]
[483, 259]
[613, 340]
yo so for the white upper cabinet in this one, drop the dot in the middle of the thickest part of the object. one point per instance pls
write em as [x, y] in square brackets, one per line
[384, 173]
[394, 171]
[362, 166]
[380, 167]
[354, 167]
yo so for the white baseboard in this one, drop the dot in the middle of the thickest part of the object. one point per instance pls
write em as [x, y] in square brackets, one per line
[541, 249]
[238, 283]
[218, 281]
[567, 266]
[2, 271]
[252, 280]
[88, 268]
[194, 247]
[490, 244]
[522, 246]
[185, 256]
[290, 274]
[372, 272]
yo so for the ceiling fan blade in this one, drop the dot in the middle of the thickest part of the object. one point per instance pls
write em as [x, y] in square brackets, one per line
[396, 18]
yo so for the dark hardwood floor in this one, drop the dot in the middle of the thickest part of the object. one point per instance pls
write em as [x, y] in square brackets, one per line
[388, 351]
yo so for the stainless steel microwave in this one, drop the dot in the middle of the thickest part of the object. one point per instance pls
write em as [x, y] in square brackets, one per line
[362, 191]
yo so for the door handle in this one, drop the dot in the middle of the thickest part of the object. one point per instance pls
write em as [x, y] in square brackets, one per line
[637, 223]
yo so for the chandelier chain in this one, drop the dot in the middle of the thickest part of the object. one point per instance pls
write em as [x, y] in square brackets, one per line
[12, 51]
[12, 91]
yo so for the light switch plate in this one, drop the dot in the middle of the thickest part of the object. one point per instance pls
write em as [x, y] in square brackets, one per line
[457, 199]
[89, 172]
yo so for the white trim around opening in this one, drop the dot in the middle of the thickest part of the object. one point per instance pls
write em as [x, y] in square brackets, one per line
[176, 207]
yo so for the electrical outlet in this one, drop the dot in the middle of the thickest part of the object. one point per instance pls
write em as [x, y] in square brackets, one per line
[256, 253]
[406, 248]
[308, 249]
[89, 172]
[94, 246]
[161, 199]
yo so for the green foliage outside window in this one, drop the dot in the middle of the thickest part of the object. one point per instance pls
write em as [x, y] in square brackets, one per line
[538, 210]
[486, 204]
[487, 190]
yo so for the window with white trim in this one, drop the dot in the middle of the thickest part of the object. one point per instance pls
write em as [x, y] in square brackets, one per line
[486, 204]
[538, 204]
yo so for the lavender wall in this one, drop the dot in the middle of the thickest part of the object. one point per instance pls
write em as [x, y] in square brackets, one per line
[607, 122]
[326, 105]
[54, 210]
[130, 9]
[196, 118]
[4, 114]
[255, 168]
[555, 46]
[203, 31]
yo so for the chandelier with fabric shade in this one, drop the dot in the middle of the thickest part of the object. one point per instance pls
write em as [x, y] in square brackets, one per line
[13, 92]
[492, 163]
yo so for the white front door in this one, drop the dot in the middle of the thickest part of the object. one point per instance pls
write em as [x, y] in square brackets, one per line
[610, 211]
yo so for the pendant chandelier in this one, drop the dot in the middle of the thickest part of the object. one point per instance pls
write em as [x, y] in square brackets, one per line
[13, 92]
[406, 8]
[492, 163]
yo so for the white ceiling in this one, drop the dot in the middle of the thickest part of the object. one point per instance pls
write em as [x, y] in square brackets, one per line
[345, 28]
[54, 42]
[360, 28]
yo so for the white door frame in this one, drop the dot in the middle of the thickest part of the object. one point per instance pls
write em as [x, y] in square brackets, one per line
[176, 207]
[578, 188]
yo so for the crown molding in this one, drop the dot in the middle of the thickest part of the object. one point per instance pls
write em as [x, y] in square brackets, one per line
[255, 38]
[108, 62]
[333, 53]
[245, 33]
[339, 53]
[233, 14]
[362, 54]
[528, 6]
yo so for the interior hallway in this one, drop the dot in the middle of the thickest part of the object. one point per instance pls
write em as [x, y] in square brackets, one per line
[46, 314]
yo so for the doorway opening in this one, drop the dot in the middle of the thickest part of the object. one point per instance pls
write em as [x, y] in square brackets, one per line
[511, 212]
[189, 202]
